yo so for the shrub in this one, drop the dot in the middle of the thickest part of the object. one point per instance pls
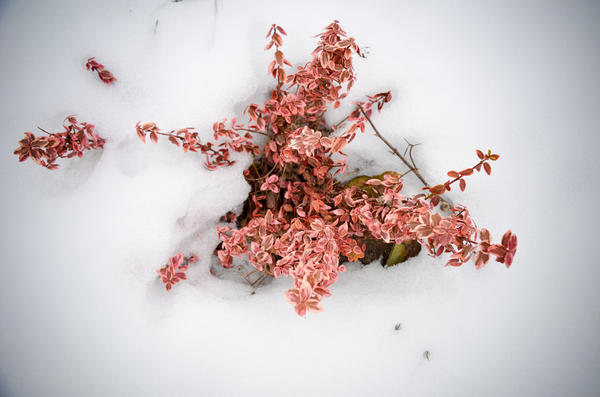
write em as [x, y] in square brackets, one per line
[300, 220]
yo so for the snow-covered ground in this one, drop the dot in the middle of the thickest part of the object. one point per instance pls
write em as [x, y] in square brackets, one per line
[82, 312]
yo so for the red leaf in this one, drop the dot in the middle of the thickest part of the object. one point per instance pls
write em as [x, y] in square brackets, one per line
[338, 144]
[279, 57]
[437, 189]
[487, 168]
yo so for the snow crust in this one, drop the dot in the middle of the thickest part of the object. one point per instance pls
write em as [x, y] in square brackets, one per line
[82, 311]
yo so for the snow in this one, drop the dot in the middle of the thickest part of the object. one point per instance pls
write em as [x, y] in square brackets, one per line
[82, 310]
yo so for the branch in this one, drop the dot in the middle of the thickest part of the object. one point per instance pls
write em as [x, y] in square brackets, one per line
[446, 204]
[339, 123]
[43, 130]
[393, 149]
[252, 131]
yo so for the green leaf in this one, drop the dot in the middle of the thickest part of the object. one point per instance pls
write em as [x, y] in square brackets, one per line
[398, 255]
[358, 181]
[362, 179]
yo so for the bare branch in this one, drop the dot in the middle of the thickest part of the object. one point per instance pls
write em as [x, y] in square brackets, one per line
[339, 123]
[446, 205]
[393, 149]
[43, 130]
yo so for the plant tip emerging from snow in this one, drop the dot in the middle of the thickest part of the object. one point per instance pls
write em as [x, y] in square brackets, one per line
[73, 141]
[104, 74]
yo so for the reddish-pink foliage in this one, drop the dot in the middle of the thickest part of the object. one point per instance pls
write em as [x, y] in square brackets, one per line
[216, 155]
[437, 190]
[303, 222]
[44, 150]
[105, 75]
[174, 272]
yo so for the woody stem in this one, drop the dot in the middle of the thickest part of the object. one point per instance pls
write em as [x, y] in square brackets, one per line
[404, 160]
[392, 148]
[43, 130]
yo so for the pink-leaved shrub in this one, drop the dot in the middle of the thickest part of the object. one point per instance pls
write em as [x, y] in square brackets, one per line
[300, 220]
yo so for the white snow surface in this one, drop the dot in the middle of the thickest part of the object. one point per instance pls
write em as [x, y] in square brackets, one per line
[81, 308]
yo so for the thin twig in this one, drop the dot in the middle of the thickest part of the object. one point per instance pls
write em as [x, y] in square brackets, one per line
[404, 174]
[409, 149]
[43, 130]
[251, 273]
[172, 133]
[339, 123]
[393, 149]
[252, 131]
[446, 205]
[264, 176]
[259, 280]
[246, 277]
[255, 169]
